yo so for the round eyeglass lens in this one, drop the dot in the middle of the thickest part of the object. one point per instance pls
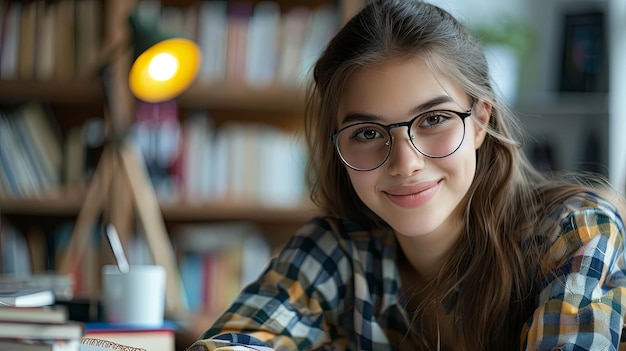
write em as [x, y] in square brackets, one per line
[437, 134]
[363, 146]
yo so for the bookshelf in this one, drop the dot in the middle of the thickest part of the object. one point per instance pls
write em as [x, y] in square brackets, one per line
[74, 99]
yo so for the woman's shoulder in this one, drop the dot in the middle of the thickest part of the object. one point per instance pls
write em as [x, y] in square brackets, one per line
[583, 220]
[589, 201]
[585, 209]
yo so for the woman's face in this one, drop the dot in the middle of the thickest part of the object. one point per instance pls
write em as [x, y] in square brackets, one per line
[416, 195]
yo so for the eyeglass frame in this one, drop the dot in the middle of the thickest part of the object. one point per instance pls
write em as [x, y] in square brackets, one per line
[408, 124]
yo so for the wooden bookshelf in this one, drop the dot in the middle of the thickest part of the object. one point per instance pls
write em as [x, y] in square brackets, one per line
[74, 101]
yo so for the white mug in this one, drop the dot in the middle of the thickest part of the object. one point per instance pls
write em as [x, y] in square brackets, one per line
[136, 297]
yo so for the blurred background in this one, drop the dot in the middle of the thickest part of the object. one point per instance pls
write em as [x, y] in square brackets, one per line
[215, 184]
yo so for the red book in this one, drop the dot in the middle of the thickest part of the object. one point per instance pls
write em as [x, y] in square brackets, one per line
[239, 13]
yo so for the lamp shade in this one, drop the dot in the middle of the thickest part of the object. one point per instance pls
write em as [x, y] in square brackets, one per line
[164, 66]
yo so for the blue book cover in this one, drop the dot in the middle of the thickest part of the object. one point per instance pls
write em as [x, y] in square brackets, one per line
[106, 326]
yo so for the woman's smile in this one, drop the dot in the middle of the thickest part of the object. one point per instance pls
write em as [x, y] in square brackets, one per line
[413, 196]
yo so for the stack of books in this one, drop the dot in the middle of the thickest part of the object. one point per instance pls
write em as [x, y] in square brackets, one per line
[30, 322]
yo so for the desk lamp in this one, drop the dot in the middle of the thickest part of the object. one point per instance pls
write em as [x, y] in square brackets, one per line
[163, 67]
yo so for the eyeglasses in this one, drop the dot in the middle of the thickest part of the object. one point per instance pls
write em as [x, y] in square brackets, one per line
[366, 146]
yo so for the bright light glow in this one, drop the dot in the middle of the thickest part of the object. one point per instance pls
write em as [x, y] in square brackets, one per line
[164, 70]
[163, 67]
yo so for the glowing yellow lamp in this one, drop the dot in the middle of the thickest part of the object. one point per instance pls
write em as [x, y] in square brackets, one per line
[163, 67]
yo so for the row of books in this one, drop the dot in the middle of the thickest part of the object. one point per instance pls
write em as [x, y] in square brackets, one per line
[217, 260]
[239, 162]
[50, 40]
[256, 44]
[192, 160]
[259, 45]
[31, 154]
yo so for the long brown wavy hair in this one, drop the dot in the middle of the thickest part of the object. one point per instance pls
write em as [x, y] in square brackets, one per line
[495, 259]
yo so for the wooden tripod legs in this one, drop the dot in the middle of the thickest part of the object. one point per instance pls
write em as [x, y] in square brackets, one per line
[124, 159]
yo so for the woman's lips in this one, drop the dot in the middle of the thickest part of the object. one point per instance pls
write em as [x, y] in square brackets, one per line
[412, 196]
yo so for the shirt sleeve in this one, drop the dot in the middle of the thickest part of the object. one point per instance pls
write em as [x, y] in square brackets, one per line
[582, 301]
[229, 342]
[290, 305]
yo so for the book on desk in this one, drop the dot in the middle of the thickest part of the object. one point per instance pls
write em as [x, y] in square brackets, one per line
[46, 314]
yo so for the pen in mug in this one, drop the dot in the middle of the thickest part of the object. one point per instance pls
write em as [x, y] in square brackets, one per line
[118, 250]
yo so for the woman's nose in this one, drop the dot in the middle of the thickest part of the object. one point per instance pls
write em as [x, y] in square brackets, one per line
[404, 159]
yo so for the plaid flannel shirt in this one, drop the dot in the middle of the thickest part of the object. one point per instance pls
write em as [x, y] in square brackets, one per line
[334, 284]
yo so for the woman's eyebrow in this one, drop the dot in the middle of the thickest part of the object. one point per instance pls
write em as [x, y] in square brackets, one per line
[425, 106]
[363, 117]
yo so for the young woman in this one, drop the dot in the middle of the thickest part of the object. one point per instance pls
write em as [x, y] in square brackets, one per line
[437, 233]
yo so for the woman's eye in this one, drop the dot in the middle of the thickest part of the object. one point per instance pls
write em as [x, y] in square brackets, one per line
[433, 120]
[369, 134]
[366, 134]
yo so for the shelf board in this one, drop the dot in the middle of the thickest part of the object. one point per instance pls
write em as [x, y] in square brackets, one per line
[75, 92]
[213, 211]
[228, 96]
[566, 104]
[244, 98]
[69, 204]
[66, 204]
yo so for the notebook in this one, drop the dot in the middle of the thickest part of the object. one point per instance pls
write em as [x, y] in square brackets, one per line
[26, 297]
[161, 338]
[90, 344]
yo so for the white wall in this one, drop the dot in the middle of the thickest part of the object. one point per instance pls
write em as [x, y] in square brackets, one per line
[617, 96]
[484, 11]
